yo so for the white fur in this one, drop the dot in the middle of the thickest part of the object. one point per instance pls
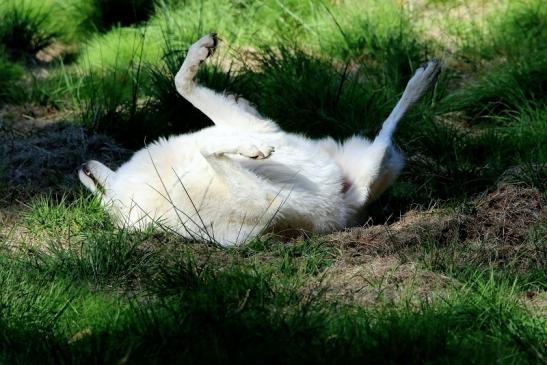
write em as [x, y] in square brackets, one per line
[230, 182]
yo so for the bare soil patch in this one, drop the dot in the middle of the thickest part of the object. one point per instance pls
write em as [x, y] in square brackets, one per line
[386, 279]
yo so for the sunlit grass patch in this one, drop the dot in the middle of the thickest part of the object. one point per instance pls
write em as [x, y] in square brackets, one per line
[60, 218]
[383, 40]
[231, 19]
[135, 101]
[514, 31]
[109, 93]
[121, 47]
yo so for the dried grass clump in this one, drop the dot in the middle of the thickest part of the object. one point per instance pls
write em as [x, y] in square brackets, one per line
[506, 214]
[506, 230]
[378, 263]
[411, 230]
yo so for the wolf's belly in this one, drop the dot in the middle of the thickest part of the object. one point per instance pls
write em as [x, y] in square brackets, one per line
[299, 168]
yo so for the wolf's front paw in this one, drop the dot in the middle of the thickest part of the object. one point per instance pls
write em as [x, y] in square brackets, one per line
[256, 153]
[203, 48]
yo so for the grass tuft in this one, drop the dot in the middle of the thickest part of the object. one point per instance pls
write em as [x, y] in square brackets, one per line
[23, 30]
[502, 91]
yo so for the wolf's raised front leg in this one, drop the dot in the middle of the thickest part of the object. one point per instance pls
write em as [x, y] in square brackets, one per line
[224, 110]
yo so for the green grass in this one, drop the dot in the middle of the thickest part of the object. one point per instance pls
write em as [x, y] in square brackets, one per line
[503, 91]
[514, 32]
[10, 77]
[23, 30]
[110, 295]
[303, 90]
[76, 289]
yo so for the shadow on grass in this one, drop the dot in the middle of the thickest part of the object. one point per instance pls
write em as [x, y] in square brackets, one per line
[43, 160]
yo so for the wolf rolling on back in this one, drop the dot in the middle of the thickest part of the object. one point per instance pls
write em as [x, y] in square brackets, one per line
[244, 175]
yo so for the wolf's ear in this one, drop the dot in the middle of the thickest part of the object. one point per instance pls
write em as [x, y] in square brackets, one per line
[95, 176]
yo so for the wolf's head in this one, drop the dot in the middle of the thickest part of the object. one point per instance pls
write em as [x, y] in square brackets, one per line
[97, 178]
[115, 198]
[130, 202]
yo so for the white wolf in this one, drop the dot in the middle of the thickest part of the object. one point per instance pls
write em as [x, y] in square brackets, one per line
[244, 175]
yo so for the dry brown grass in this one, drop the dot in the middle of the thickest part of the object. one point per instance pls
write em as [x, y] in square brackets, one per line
[386, 279]
[379, 263]
[502, 217]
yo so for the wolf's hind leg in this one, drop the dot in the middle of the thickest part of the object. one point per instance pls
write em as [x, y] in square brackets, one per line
[257, 203]
[371, 167]
[423, 79]
[223, 110]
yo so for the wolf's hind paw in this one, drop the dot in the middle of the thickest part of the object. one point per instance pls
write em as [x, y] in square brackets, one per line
[256, 153]
[204, 47]
[426, 74]
[431, 70]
